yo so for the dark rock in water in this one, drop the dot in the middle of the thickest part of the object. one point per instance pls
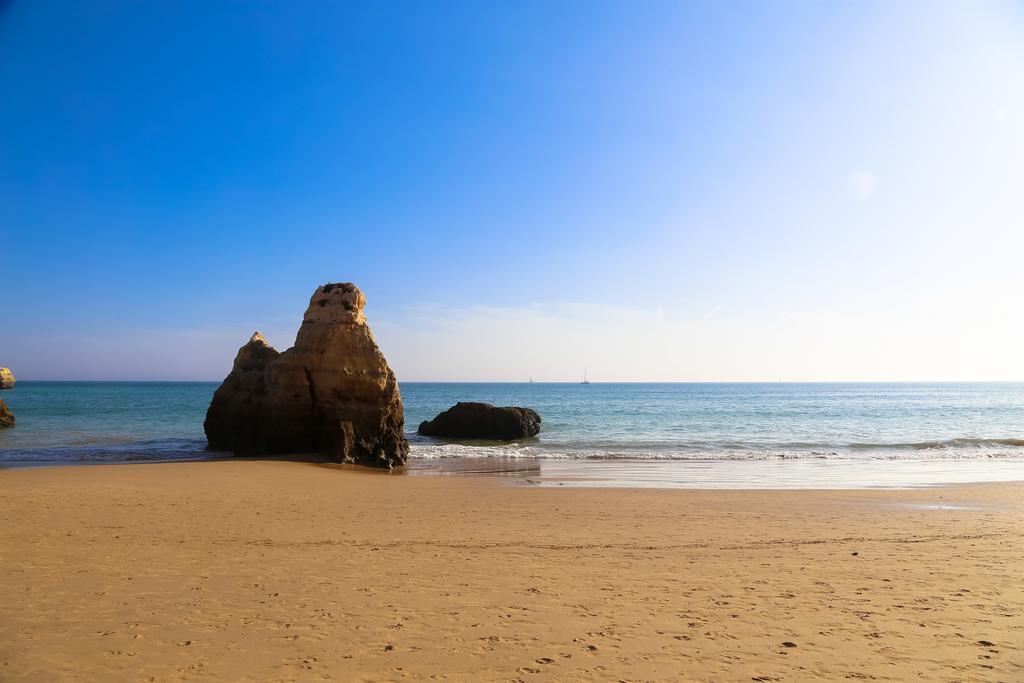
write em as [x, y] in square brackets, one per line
[6, 416]
[6, 378]
[483, 421]
[332, 393]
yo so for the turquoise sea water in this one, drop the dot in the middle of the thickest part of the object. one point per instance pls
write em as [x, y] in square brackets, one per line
[651, 432]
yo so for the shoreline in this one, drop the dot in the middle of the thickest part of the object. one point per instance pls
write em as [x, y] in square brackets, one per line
[834, 474]
[264, 569]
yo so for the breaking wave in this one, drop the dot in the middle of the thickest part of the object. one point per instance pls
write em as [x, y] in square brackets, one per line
[940, 445]
[952, 449]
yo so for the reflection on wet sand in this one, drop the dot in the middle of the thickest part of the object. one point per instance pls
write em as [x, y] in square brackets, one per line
[498, 467]
[727, 474]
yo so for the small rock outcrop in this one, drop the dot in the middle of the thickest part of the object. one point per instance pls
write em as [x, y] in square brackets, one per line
[483, 421]
[6, 378]
[6, 416]
[332, 393]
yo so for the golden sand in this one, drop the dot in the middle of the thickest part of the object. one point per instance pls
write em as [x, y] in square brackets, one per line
[257, 570]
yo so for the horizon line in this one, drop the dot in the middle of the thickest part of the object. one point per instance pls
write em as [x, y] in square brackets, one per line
[629, 381]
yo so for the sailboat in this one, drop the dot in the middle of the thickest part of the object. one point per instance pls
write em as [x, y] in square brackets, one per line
[585, 380]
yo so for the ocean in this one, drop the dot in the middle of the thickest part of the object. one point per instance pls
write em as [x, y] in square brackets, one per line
[727, 434]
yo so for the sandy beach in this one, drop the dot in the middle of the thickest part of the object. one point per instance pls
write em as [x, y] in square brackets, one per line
[259, 570]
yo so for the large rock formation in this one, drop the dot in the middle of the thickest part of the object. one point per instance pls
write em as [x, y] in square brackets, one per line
[483, 421]
[6, 416]
[332, 393]
[6, 378]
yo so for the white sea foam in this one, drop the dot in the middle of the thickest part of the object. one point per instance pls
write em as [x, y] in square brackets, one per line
[966, 449]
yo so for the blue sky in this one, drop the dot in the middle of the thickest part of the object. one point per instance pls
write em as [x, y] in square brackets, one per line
[653, 191]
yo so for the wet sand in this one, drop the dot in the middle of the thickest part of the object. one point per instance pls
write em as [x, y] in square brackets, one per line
[256, 570]
[774, 473]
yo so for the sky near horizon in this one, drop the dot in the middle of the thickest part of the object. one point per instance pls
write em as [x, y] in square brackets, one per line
[657, 191]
